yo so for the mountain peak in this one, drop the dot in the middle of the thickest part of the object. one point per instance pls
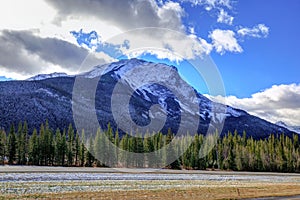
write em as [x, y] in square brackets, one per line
[121, 67]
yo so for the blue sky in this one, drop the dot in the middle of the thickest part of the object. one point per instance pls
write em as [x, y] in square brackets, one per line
[264, 61]
[269, 61]
[253, 43]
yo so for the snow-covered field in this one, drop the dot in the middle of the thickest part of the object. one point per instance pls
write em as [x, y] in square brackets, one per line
[19, 180]
[63, 177]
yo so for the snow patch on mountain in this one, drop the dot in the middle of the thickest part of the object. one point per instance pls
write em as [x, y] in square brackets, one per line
[46, 76]
[233, 112]
[295, 129]
[51, 94]
[117, 67]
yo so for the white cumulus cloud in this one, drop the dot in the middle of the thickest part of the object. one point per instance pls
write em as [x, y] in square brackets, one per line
[123, 14]
[278, 103]
[23, 34]
[26, 25]
[224, 40]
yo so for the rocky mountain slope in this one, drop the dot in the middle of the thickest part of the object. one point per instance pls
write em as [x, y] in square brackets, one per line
[39, 99]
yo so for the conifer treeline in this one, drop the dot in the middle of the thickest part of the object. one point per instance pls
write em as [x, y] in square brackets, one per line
[66, 148]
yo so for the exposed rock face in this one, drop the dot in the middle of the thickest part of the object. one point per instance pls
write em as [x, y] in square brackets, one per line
[51, 98]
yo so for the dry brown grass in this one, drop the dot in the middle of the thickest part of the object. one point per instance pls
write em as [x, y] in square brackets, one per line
[210, 190]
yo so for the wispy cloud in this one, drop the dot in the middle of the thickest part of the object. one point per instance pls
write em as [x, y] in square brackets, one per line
[257, 31]
[210, 4]
[225, 18]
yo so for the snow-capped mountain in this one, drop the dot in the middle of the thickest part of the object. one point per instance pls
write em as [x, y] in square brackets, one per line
[53, 98]
[46, 76]
[291, 128]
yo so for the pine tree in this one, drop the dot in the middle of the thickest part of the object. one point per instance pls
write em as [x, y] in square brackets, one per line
[49, 145]
[90, 153]
[210, 151]
[238, 157]
[12, 145]
[20, 143]
[99, 147]
[231, 155]
[124, 145]
[258, 154]
[148, 146]
[82, 149]
[171, 154]
[57, 147]
[233, 152]
[138, 147]
[264, 155]
[34, 149]
[42, 146]
[251, 154]
[280, 157]
[271, 153]
[77, 148]
[117, 146]
[288, 154]
[160, 151]
[64, 148]
[2, 146]
[220, 155]
[195, 149]
[25, 138]
[109, 147]
[71, 145]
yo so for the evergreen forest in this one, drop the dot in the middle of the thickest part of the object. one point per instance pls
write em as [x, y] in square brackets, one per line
[46, 147]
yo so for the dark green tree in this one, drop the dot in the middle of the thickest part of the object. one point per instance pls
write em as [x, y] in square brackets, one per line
[20, 142]
[63, 148]
[82, 149]
[171, 156]
[12, 145]
[71, 145]
[124, 145]
[24, 154]
[77, 149]
[90, 153]
[42, 146]
[2, 146]
[34, 150]
[57, 147]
